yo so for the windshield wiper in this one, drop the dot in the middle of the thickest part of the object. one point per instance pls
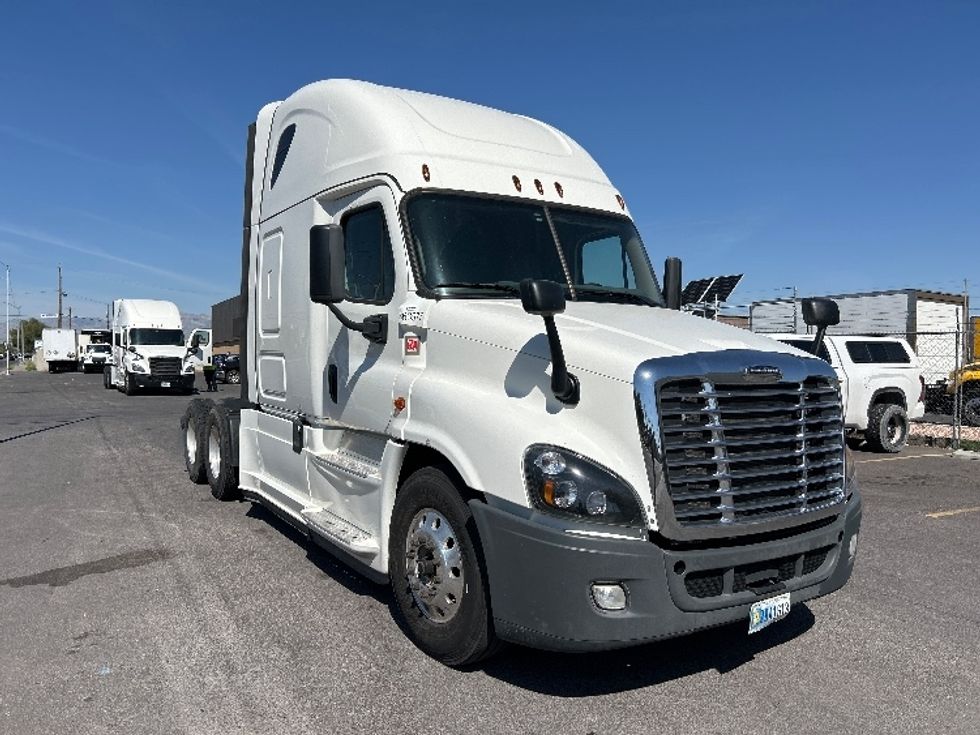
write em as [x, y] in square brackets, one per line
[614, 295]
[496, 286]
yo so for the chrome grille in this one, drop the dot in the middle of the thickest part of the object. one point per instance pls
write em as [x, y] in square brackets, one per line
[737, 453]
[165, 367]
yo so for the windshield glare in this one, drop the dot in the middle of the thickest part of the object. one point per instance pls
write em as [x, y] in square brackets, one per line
[165, 337]
[466, 241]
[98, 348]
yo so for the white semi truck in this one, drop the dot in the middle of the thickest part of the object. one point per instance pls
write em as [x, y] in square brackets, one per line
[460, 375]
[60, 348]
[148, 347]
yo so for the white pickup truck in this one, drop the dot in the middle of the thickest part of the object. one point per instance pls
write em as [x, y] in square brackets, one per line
[881, 384]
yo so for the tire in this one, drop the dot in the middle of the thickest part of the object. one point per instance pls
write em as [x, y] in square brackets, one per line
[447, 616]
[107, 378]
[222, 475]
[233, 377]
[971, 404]
[888, 428]
[854, 441]
[193, 433]
[129, 384]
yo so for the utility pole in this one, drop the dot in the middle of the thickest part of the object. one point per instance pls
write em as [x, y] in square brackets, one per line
[69, 317]
[6, 335]
[107, 316]
[796, 318]
[59, 296]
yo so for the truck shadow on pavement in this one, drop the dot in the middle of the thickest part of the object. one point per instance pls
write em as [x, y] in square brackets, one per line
[323, 560]
[723, 649]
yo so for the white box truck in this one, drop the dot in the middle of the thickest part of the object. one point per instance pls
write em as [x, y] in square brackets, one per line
[148, 347]
[60, 349]
[461, 376]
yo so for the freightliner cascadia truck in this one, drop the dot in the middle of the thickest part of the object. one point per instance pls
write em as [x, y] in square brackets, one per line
[460, 374]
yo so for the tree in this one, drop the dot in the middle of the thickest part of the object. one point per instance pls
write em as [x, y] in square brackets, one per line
[32, 332]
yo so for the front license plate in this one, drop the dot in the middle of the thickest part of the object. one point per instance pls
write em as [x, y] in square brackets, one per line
[165, 384]
[764, 612]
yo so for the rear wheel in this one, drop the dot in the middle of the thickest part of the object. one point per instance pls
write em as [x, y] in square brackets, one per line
[107, 378]
[222, 472]
[233, 377]
[439, 586]
[971, 404]
[888, 428]
[193, 429]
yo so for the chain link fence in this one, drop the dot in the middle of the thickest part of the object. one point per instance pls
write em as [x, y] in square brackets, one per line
[952, 387]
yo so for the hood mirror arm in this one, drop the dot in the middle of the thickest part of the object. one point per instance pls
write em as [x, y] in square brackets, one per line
[820, 313]
[545, 299]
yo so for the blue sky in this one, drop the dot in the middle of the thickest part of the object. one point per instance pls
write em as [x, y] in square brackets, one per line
[834, 146]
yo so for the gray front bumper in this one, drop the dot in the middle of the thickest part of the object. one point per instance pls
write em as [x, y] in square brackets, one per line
[540, 580]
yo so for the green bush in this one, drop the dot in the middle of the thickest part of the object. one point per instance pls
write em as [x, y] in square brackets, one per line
[30, 367]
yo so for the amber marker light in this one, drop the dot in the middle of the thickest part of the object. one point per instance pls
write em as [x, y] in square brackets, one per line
[621, 201]
[400, 404]
[559, 189]
[548, 491]
[517, 182]
[539, 186]
[425, 172]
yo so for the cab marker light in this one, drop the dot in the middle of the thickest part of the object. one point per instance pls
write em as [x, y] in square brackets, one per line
[559, 189]
[621, 202]
[517, 182]
[539, 186]
[425, 172]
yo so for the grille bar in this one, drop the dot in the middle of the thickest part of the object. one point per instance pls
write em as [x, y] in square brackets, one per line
[735, 452]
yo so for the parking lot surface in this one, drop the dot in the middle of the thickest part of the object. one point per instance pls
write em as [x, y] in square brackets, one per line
[132, 601]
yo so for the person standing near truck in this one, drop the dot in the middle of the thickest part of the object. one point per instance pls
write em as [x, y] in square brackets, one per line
[209, 379]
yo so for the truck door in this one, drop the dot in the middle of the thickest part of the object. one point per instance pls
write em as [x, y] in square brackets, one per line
[202, 354]
[360, 373]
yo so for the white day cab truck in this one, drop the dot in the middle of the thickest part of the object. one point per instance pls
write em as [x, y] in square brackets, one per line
[60, 348]
[882, 386]
[461, 376]
[148, 348]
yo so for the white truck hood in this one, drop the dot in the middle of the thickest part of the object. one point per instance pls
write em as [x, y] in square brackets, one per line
[602, 338]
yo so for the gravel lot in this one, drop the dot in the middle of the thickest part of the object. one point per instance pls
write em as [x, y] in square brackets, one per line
[131, 601]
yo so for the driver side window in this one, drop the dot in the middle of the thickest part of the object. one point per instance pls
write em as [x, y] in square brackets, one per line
[370, 266]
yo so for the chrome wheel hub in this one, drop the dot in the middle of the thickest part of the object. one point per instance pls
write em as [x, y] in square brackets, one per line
[190, 442]
[434, 566]
[214, 455]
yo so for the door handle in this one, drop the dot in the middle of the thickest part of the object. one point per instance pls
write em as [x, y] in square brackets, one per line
[332, 382]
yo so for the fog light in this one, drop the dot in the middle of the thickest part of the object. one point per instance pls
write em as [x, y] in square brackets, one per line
[609, 596]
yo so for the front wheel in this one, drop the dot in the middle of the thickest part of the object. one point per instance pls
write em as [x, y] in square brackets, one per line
[888, 428]
[107, 378]
[439, 586]
[129, 384]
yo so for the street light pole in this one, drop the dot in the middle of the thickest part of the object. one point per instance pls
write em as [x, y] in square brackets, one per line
[6, 335]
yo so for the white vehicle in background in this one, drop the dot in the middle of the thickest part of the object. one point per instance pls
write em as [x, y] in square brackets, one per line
[60, 349]
[199, 349]
[148, 347]
[96, 357]
[881, 384]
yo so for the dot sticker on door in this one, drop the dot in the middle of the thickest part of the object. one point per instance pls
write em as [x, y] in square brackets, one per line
[413, 344]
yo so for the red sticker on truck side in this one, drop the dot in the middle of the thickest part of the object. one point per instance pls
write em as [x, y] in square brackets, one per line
[413, 345]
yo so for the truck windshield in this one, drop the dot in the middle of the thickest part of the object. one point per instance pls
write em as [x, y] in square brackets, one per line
[98, 348]
[168, 337]
[475, 245]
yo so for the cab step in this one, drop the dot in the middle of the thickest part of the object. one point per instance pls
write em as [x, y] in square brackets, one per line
[343, 533]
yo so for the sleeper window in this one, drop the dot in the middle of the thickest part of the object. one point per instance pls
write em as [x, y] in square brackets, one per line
[370, 266]
[285, 140]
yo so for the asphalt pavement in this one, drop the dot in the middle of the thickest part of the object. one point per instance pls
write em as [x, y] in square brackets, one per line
[131, 601]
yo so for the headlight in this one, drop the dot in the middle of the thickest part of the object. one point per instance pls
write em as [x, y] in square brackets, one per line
[565, 484]
[137, 368]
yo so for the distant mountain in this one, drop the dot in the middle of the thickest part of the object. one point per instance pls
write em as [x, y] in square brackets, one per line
[195, 321]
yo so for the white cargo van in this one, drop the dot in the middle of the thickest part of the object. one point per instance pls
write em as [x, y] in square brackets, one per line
[60, 349]
[460, 375]
[148, 347]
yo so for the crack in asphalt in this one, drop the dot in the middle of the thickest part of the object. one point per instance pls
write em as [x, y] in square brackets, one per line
[66, 575]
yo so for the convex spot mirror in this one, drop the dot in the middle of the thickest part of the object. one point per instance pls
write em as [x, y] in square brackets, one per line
[131, 348]
[820, 312]
[327, 262]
